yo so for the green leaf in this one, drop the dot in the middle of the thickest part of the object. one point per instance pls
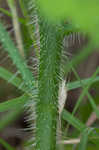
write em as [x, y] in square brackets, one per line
[84, 139]
[78, 10]
[6, 75]
[73, 121]
[9, 46]
[6, 12]
[14, 103]
[82, 82]
[85, 88]
[6, 145]
[94, 106]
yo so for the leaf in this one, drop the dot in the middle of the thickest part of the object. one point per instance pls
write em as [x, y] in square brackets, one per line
[6, 145]
[84, 139]
[9, 46]
[6, 12]
[6, 75]
[82, 82]
[13, 103]
[84, 13]
[73, 121]
[85, 88]
[94, 106]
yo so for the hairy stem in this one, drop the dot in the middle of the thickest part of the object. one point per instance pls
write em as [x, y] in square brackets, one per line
[48, 84]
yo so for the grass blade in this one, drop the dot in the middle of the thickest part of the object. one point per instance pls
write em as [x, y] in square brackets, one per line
[11, 104]
[6, 75]
[81, 83]
[85, 89]
[6, 145]
[16, 57]
[73, 121]
[84, 139]
[6, 12]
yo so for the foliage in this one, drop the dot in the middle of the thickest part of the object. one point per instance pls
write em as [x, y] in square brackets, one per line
[41, 91]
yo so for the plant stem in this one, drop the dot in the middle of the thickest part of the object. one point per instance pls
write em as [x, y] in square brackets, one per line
[48, 84]
[16, 26]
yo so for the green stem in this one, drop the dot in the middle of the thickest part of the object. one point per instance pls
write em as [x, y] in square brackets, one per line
[48, 84]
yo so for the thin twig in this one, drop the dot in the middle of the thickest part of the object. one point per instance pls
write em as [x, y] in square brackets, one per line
[16, 26]
[92, 118]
